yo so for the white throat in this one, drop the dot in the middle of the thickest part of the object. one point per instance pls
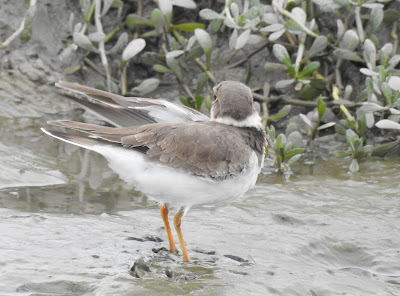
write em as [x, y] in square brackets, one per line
[254, 120]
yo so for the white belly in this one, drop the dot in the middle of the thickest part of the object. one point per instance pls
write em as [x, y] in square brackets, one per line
[169, 185]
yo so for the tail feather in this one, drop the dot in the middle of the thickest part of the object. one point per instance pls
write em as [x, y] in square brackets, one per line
[128, 111]
[84, 142]
[107, 105]
[107, 133]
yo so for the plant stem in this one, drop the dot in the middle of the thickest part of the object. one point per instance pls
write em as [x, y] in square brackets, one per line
[238, 63]
[300, 53]
[111, 34]
[187, 89]
[102, 50]
[290, 16]
[393, 34]
[88, 18]
[123, 79]
[335, 95]
[337, 74]
[19, 30]
[227, 11]
[94, 67]
[360, 28]
[204, 68]
[290, 38]
[14, 35]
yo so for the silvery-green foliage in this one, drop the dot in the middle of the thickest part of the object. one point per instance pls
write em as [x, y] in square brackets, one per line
[311, 62]
[133, 48]
[285, 151]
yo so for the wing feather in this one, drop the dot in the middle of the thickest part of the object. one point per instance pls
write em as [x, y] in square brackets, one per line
[128, 111]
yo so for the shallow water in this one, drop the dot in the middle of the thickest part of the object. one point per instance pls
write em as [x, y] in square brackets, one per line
[69, 226]
[78, 231]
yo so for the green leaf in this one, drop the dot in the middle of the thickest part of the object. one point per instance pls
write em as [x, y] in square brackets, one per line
[205, 42]
[210, 14]
[394, 83]
[215, 25]
[293, 159]
[282, 113]
[326, 125]
[85, 8]
[350, 40]
[284, 83]
[150, 33]
[281, 54]
[292, 26]
[173, 63]
[188, 27]
[394, 60]
[340, 129]
[185, 102]
[161, 69]
[83, 41]
[242, 39]
[321, 106]
[388, 149]
[391, 15]
[233, 39]
[370, 53]
[208, 102]
[318, 46]
[133, 48]
[354, 167]
[384, 53]
[351, 135]
[340, 154]
[189, 4]
[387, 124]
[121, 43]
[366, 150]
[198, 102]
[73, 69]
[280, 142]
[376, 18]
[351, 138]
[296, 138]
[201, 82]
[147, 85]
[387, 93]
[133, 20]
[346, 54]
[291, 70]
[274, 67]
[309, 69]
[299, 15]
[235, 10]
[292, 152]
[309, 92]
[157, 19]
[361, 122]
[306, 120]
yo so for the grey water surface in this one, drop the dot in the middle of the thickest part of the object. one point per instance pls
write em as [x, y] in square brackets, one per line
[69, 226]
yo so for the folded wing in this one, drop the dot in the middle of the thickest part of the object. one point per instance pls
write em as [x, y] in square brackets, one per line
[200, 148]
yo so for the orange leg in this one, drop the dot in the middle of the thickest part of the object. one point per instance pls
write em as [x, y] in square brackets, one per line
[164, 215]
[177, 224]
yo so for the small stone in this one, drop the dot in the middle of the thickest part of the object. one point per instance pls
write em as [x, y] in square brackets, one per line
[139, 268]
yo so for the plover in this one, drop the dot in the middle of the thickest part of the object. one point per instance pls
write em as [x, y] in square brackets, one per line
[174, 154]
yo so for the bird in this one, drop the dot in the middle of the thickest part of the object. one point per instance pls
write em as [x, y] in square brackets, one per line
[176, 155]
